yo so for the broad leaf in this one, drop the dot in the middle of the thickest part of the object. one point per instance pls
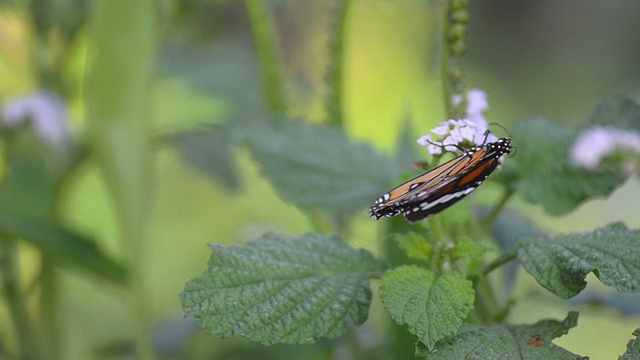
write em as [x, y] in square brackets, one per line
[63, 246]
[633, 348]
[505, 342]
[416, 246]
[320, 167]
[209, 150]
[433, 306]
[277, 289]
[560, 263]
[543, 172]
[621, 112]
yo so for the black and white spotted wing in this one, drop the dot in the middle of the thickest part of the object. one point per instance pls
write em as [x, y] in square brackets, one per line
[437, 189]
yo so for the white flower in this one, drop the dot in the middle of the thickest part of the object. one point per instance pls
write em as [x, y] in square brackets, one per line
[474, 128]
[594, 145]
[46, 111]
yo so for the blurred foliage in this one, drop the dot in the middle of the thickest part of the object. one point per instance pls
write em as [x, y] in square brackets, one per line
[373, 66]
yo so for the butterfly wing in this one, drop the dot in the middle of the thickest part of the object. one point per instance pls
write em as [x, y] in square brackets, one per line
[437, 189]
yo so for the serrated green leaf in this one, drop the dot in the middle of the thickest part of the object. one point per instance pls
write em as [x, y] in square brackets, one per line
[544, 174]
[560, 263]
[63, 246]
[466, 247]
[433, 306]
[505, 342]
[209, 150]
[415, 246]
[320, 167]
[291, 290]
[633, 348]
[620, 111]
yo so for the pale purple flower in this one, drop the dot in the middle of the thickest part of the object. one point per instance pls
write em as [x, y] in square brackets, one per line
[594, 145]
[47, 113]
[476, 102]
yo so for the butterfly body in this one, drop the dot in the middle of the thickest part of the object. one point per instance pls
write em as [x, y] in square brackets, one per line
[437, 189]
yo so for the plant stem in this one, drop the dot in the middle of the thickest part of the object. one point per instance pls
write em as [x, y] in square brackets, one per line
[495, 211]
[50, 318]
[118, 88]
[334, 101]
[27, 346]
[267, 48]
[444, 59]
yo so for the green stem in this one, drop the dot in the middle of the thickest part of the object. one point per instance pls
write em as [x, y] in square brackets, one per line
[495, 211]
[504, 259]
[118, 97]
[27, 346]
[487, 305]
[48, 308]
[334, 101]
[444, 60]
[266, 46]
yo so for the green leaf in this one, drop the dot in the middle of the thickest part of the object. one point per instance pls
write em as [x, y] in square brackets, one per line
[433, 306]
[620, 111]
[63, 246]
[313, 166]
[633, 348]
[560, 263]
[505, 342]
[466, 247]
[416, 246]
[544, 174]
[209, 151]
[291, 290]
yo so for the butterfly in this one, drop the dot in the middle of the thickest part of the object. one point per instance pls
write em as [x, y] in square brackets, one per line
[435, 190]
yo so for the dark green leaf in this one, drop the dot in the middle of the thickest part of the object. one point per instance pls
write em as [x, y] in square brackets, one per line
[63, 246]
[320, 167]
[633, 348]
[544, 174]
[621, 112]
[433, 306]
[278, 289]
[560, 263]
[226, 68]
[209, 150]
[505, 342]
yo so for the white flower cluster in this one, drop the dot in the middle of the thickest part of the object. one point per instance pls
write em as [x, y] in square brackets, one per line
[474, 128]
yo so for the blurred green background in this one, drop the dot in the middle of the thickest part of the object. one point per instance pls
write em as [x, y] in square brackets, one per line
[552, 58]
